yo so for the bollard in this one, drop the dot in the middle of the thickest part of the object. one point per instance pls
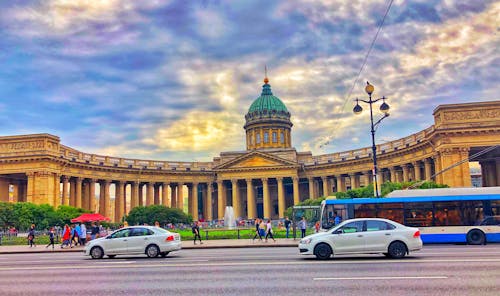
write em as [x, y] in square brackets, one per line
[1, 236]
[238, 233]
[206, 234]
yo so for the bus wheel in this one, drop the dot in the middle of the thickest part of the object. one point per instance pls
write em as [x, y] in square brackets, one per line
[323, 251]
[476, 237]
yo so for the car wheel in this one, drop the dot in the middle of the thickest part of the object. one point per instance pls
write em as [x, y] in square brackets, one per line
[323, 251]
[397, 250]
[96, 253]
[476, 237]
[164, 254]
[111, 256]
[152, 251]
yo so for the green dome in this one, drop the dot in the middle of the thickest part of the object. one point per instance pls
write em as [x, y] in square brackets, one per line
[267, 102]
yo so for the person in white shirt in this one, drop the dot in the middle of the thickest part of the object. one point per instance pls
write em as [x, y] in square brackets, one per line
[269, 230]
[83, 234]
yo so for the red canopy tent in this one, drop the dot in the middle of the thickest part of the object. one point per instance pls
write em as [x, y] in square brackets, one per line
[87, 217]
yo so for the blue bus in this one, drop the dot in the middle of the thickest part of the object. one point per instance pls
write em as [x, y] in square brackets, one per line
[443, 215]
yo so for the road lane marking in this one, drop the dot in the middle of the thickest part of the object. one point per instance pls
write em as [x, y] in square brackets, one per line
[232, 264]
[381, 278]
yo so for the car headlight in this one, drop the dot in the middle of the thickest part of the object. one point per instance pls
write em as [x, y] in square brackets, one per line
[306, 241]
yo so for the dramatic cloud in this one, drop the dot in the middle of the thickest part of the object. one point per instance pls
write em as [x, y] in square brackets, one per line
[172, 80]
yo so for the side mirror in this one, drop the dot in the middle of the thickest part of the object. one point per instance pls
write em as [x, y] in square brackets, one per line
[338, 231]
[108, 237]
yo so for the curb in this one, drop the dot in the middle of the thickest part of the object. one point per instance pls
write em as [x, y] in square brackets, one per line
[263, 245]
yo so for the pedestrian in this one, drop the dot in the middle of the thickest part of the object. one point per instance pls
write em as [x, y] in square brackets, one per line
[66, 236]
[257, 232]
[196, 232]
[287, 226]
[338, 218]
[83, 234]
[262, 228]
[316, 227]
[303, 226]
[51, 238]
[75, 235]
[269, 230]
[94, 231]
[31, 236]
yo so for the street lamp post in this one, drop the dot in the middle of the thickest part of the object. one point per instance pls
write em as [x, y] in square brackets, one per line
[385, 109]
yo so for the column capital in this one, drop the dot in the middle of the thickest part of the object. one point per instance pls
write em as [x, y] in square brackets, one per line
[323, 178]
[295, 178]
[310, 179]
[233, 180]
[279, 179]
[78, 179]
[249, 180]
[65, 178]
[264, 179]
[210, 185]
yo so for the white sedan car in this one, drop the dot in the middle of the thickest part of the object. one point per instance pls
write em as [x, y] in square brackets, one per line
[149, 240]
[364, 235]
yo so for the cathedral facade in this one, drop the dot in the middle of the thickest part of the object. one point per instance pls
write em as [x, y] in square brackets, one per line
[262, 181]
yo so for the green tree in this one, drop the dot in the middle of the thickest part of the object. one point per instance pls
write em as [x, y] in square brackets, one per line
[8, 215]
[151, 214]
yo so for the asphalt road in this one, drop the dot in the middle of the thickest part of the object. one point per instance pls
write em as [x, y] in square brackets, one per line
[436, 270]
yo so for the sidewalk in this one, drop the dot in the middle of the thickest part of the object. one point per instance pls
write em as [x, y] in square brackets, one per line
[207, 244]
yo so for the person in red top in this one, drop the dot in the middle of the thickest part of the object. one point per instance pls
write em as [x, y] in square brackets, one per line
[66, 236]
[316, 227]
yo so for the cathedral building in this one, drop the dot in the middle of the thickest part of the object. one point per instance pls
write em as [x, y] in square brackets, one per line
[262, 181]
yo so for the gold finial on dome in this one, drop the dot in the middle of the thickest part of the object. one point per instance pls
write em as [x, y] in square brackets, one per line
[266, 80]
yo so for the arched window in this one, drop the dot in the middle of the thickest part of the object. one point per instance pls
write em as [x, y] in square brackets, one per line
[282, 138]
[257, 139]
[266, 137]
[275, 137]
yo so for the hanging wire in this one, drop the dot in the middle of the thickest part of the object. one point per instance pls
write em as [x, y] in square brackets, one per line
[361, 68]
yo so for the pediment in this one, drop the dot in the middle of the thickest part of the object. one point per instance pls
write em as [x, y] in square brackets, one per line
[254, 160]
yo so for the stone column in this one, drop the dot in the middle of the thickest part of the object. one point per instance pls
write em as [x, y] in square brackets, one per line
[140, 194]
[180, 196]
[173, 195]
[324, 179]
[92, 195]
[416, 170]
[65, 197]
[107, 199]
[4, 190]
[221, 199]
[190, 200]
[281, 198]
[267, 199]
[296, 196]
[30, 190]
[251, 204]
[134, 190]
[149, 193]
[118, 201]
[156, 196]
[366, 177]
[85, 195]
[208, 204]
[236, 198]
[354, 181]
[392, 171]
[340, 183]
[194, 199]
[405, 173]
[427, 169]
[164, 195]
[311, 187]
[78, 202]
[102, 202]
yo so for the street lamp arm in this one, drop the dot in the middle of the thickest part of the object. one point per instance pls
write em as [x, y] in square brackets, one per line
[380, 120]
[376, 100]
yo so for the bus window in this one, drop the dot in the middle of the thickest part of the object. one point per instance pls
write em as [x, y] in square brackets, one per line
[391, 211]
[472, 212]
[447, 213]
[418, 214]
[365, 211]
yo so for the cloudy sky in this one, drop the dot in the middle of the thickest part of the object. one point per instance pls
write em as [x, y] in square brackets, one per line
[172, 80]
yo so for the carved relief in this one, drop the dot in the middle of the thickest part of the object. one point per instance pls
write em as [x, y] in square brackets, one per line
[471, 115]
[17, 146]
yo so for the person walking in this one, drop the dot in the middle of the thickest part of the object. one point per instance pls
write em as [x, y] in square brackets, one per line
[303, 227]
[94, 231]
[316, 227]
[196, 232]
[257, 232]
[83, 234]
[31, 236]
[269, 230]
[75, 236]
[287, 226]
[66, 236]
[51, 238]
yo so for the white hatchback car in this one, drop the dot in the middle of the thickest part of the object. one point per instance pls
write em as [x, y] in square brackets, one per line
[149, 240]
[364, 235]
